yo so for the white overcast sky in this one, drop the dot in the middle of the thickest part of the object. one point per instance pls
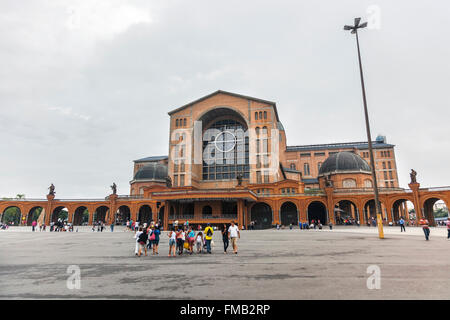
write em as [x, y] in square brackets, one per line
[86, 85]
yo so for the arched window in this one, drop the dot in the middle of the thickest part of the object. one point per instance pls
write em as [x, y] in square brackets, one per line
[264, 131]
[256, 115]
[182, 168]
[260, 115]
[349, 183]
[226, 150]
[184, 122]
[306, 169]
[257, 131]
[176, 123]
[265, 115]
[367, 183]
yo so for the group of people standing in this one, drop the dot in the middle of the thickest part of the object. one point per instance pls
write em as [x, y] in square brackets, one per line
[185, 238]
[147, 239]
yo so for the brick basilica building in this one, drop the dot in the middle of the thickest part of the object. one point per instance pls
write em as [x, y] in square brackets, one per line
[228, 159]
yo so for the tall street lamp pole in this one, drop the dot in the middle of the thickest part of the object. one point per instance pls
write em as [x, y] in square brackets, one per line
[354, 30]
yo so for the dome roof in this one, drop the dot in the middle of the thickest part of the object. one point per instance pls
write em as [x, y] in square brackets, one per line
[344, 161]
[152, 171]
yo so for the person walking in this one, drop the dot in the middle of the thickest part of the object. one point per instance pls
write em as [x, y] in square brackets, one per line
[33, 225]
[401, 222]
[225, 238]
[234, 234]
[112, 227]
[426, 229]
[208, 237]
[142, 240]
[172, 242]
[136, 236]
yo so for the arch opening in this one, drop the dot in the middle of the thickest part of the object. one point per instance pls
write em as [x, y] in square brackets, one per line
[261, 215]
[60, 214]
[346, 213]
[317, 211]
[370, 212]
[403, 208]
[145, 214]
[34, 214]
[11, 216]
[81, 216]
[435, 211]
[123, 214]
[100, 214]
[288, 213]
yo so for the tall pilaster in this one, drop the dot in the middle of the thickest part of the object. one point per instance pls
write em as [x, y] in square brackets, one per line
[415, 189]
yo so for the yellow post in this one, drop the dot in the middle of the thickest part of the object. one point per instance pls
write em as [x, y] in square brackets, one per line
[380, 226]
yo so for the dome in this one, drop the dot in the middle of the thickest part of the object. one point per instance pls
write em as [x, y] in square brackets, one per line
[152, 171]
[343, 162]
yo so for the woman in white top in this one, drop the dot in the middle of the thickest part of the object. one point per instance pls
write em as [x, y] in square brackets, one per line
[172, 242]
[136, 236]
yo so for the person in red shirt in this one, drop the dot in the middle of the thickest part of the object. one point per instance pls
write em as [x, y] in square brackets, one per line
[426, 229]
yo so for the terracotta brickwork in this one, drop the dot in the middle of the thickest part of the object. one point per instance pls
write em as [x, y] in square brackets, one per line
[291, 193]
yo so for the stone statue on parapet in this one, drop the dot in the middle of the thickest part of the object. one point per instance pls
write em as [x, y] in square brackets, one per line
[413, 175]
[114, 188]
[239, 179]
[52, 190]
[168, 182]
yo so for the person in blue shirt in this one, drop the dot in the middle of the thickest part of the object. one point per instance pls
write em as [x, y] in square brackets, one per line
[156, 232]
[401, 222]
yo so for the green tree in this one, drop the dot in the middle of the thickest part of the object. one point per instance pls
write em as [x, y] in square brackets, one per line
[440, 213]
[36, 214]
[85, 216]
[11, 214]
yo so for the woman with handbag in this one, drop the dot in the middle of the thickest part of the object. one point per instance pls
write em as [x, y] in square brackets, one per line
[190, 239]
[151, 237]
[155, 239]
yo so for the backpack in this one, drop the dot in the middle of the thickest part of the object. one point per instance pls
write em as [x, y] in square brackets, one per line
[209, 232]
[142, 237]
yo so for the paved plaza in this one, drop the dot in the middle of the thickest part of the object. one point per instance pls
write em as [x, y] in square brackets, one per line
[271, 264]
